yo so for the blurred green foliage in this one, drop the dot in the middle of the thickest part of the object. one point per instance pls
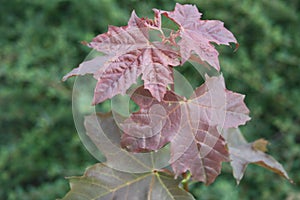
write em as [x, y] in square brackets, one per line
[40, 42]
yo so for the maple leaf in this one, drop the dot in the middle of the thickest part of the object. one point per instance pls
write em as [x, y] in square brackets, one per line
[124, 175]
[197, 35]
[196, 144]
[243, 153]
[101, 182]
[129, 54]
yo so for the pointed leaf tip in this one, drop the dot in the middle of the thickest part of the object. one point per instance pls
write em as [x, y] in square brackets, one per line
[87, 67]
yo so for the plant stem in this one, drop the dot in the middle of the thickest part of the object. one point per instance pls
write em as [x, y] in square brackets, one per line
[185, 184]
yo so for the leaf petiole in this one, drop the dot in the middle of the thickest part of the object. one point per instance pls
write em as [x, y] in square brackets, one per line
[185, 182]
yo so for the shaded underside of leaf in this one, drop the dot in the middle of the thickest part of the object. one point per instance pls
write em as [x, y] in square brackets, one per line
[101, 182]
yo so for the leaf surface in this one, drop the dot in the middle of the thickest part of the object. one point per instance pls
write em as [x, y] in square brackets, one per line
[131, 53]
[196, 144]
[243, 153]
[196, 34]
[101, 182]
[105, 134]
[204, 155]
[153, 125]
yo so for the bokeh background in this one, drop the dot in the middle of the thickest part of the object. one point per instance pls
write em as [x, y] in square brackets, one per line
[40, 42]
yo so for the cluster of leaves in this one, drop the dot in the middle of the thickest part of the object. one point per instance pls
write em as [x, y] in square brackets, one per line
[202, 130]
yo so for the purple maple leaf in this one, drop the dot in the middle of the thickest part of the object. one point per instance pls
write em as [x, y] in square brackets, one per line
[197, 35]
[190, 125]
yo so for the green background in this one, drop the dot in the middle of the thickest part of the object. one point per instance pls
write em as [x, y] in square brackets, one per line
[40, 42]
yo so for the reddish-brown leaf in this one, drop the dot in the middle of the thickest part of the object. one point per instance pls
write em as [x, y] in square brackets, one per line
[190, 125]
[130, 53]
[204, 155]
